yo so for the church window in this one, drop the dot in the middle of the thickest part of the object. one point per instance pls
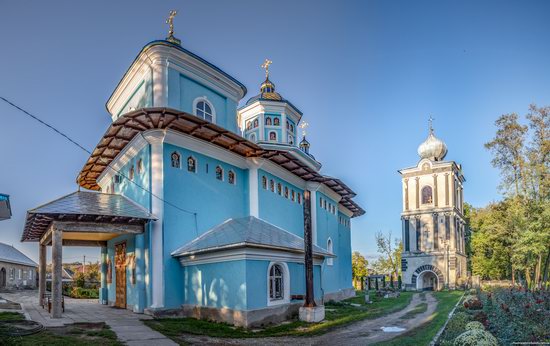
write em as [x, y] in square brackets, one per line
[268, 121]
[12, 274]
[19, 274]
[276, 121]
[176, 158]
[272, 185]
[204, 110]
[279, 189]
[219, 173]
[290, 139]
[231, 177]
[264, 182]
[286, 192]
[299, 198]
[140, 166]
[287, 125]
[252, 137]
[329, 250]
[293, 196]
[191, 164]
[291, 128]
[427, 195]
[321, 202]
[131, 174]
[273, 136]
[325, 204]
[276, 284]
[248, 125]
[256, 122]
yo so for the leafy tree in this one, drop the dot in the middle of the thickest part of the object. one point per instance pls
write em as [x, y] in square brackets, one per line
[358, 266]
[391, 249]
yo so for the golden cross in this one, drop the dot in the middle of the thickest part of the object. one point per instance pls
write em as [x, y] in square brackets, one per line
[265, 66]
[303, 126]
[430, 121]
[170, 22]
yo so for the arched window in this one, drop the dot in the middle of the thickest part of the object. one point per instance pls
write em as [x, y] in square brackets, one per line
[287, 125]
[264, 182]
[140, 166]
[131, 173]
[286, 192]
[276, 282]
[273, 136]
[299, 198]
[191, 164]
[291, 128]
[279, 189]
[176, 159]
[329, 250]
[204, 109]
[252, 137]
[256, 123]
[293, 196]
[268, 121]
[427, 195]
[290, 139]
[248, 125]
[272, 185]
[219, 173]
[231, 177]
[321, 202]
[276, 121]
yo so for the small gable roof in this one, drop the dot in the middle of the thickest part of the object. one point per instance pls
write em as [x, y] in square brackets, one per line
[11, 255]
[246, 232]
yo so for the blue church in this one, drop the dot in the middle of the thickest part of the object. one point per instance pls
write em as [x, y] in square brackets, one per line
[198, 203]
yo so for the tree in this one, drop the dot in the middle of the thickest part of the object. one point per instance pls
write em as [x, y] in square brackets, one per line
[358, 266]
[391, 250]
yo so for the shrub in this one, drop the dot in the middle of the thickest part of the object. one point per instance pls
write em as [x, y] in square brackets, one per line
[474, 325]
[472, 303]
[476, 337]
[455, 327]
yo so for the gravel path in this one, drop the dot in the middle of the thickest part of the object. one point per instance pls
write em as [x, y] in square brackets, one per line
[360, 333]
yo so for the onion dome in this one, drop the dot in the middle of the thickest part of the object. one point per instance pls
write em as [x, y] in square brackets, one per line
[304, 145]
[432, 148]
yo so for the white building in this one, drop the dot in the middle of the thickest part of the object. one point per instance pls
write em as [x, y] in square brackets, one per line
[434, 254]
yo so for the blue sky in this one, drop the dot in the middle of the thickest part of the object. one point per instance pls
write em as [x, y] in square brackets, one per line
[366, 74]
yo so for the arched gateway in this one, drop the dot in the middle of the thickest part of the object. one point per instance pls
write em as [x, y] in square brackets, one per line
[428, 278]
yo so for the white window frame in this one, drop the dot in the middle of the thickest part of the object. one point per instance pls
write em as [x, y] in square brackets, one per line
[234, 177]
[269, 136]
[216, 173]
[286, 285]
[187, 164]
[179, 154]
[330, 249]
[205, 99]
[19, 274]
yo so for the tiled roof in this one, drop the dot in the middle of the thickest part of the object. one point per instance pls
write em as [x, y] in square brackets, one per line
[246, 232]
[84, 206]
[10, 254]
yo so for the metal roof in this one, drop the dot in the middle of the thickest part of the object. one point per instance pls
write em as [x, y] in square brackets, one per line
[246, 232]
[84, 206]
[127, 126]
[11, 255]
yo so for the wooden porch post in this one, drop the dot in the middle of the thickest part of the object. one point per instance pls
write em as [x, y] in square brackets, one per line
[57, 259]
[41, 273]
[308, 249]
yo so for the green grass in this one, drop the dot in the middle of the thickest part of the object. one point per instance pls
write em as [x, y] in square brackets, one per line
[13, 316]
[424, 334]
[420, 308]
[71, 335]
[336, 315]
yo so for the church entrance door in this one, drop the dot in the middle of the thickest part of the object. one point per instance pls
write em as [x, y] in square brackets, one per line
[120, 273]
[2, 277]
[427, 281]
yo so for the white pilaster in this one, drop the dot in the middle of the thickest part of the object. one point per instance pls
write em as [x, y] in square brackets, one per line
[156, 141]
[160, 82]
[254, 202]
[285, 134]
[261, 135]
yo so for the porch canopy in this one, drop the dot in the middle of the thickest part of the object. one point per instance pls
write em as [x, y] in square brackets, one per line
[81, 218]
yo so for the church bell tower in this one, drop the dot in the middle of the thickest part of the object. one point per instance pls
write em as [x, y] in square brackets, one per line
[434, 254]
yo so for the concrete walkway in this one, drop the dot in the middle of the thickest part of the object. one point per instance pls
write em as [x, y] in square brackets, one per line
[126, 324]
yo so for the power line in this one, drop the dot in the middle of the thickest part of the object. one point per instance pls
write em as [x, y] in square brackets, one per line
[59, 132]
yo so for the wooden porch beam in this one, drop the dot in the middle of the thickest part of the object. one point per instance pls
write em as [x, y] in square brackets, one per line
[96, 227]
[76, 242]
